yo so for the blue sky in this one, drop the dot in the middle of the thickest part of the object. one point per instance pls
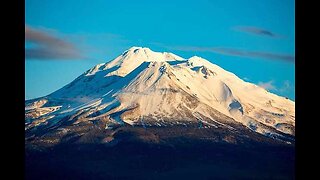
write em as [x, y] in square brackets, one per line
[253, 39]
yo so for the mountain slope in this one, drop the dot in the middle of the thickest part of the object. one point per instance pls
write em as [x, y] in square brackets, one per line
[146, 88]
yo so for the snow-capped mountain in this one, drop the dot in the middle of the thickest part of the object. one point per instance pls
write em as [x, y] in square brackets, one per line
[145, 88]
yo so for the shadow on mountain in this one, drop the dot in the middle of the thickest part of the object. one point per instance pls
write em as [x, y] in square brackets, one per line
[138, 153]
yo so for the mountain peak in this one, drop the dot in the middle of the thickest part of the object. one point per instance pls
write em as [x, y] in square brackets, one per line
[141, 82]
[196, 59]
[136, 49]
[135, 56]
[150, 55]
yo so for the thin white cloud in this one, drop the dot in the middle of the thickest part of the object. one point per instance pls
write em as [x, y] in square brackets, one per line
[246, 78]
[267, 85]
[286, 86]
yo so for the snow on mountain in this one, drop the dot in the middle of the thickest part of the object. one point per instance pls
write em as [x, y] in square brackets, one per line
[131, 59]
[151, 88]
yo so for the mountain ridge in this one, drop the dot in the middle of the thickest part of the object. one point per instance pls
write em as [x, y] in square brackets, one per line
[142, 87]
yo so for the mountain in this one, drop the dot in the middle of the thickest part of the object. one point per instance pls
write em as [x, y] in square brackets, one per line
[146, 89]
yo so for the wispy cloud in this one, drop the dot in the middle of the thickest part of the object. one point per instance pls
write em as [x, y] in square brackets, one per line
[246, 78]
[49, 46]
[254, 54]
[235, 52]
[285, 87]
[267, 85]
[256, 31]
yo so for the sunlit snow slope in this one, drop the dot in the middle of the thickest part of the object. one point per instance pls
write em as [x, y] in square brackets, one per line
[142, 87]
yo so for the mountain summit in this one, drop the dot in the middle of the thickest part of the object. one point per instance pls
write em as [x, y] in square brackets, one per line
[153, 89]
